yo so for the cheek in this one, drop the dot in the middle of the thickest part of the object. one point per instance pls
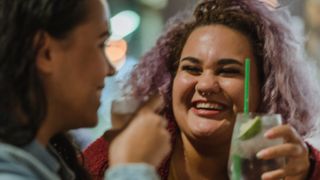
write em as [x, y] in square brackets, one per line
[90, 67]
[183, 88]
[233, 89]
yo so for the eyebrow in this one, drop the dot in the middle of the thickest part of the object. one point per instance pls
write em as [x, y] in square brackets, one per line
[229, 61]
[191, 59]
[104, 34]
[220, 62]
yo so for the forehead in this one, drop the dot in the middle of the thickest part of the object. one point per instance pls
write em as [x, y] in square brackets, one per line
[97, 19]
[217, 40]
[96, 23]
[106, 8]
[98, 10]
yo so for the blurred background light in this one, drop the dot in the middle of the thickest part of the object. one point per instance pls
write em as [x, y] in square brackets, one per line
[124, 23]
[155, 4]
[116, 52]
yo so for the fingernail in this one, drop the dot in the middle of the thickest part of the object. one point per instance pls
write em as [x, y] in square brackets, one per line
[264, 176]
[268, 134]
[261, 154]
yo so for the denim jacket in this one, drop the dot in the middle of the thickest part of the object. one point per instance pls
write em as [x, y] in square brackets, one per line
[36, 162]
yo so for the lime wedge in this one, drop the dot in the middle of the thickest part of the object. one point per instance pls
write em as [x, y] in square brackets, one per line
[250, 128]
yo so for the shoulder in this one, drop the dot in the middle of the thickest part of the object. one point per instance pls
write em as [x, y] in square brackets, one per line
[11, 154]
[134, 171]
[15, 164]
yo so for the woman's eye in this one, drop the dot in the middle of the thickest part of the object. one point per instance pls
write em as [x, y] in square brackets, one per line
[103, 45]
[229, 71]
[191, 69]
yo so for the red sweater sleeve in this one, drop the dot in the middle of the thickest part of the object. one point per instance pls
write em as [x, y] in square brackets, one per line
[96, 158]
[315, 160]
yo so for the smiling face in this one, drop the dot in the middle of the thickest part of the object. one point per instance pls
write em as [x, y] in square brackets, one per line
[74, 71]
[209, 84]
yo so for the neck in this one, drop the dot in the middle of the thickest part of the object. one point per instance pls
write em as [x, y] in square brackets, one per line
[200, 161]
[44, 134]
[48, 129]
[51, 125]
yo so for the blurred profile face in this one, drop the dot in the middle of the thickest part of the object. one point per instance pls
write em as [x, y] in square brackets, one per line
[312, 13]
[78, 70]
[209, 84]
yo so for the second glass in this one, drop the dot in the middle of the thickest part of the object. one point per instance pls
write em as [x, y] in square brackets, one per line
[122, 109]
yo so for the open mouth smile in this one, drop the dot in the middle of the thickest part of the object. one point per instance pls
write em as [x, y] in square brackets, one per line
[207, 109]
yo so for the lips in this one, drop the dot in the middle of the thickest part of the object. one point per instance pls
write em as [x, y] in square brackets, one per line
[99, 91]
[209, 106]
[100, 87]
[208, 109]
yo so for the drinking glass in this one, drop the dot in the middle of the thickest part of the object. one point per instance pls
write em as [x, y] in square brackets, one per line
[247, 140]
[122, 110]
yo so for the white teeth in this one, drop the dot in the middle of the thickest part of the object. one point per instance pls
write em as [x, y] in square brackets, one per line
[209, 106]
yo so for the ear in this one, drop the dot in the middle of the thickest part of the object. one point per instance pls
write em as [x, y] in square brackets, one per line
[44, 61]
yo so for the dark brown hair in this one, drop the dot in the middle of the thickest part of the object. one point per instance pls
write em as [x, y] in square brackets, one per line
[23, 103]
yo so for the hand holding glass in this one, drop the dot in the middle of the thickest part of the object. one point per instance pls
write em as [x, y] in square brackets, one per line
[247, 140]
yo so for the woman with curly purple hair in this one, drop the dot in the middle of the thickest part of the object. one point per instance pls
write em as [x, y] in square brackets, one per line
[198, 66]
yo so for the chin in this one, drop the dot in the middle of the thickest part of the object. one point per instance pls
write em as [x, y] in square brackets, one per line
[89, 121]
[204, 133]
[210, 129]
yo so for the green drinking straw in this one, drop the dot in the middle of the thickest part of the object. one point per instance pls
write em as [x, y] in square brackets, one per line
[246, 86]
[236, 160]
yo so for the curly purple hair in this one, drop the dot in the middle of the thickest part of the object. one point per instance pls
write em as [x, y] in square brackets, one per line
[286, 84]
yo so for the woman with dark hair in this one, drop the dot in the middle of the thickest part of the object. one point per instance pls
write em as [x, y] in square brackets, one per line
[198, 64]
[52, 70]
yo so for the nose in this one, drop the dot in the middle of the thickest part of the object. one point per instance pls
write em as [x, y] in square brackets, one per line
[208, 84]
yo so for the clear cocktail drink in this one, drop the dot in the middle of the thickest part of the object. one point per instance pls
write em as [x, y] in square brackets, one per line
[247, 140]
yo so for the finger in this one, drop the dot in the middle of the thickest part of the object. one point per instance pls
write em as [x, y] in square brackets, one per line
[164, 123]
[282, 173]
[295, 169]
[158, 120]
[285, 131]
[151, 105]
[276, 174]
[166, 135]
[152, 119]
[282, 150]
[167, 139]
